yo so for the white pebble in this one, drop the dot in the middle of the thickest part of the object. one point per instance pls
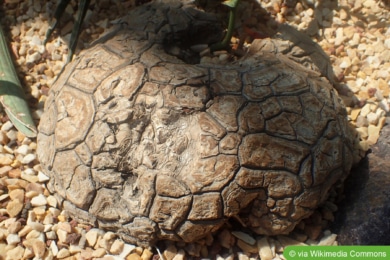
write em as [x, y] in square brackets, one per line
[384, 105]
[13, 239]
[47, 227]
[42, 177]
[339, 36]
[73, 249]
[39, 200]
[355, 40]
[7, 126]
[127, 248]
[33, 57]
[327, 240]
[54, 248]
[29, 171]
[12, 134]
[265, 251]
[372, 118]
[35, 40]
[63, 253]
[52, 201]
[380, 112]
[373, 61]
[62, 235]
[28, 158]
[36, 226]
[365, 110]
[346, 63]
[51, 235]
[23, 149]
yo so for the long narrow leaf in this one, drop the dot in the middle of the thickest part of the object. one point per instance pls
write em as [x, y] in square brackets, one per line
[11, 93]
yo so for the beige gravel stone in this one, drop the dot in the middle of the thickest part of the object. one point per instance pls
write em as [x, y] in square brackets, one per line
[354, 113]
[6, 159]
[14, 227]
[244, 237]
[127, 248]
[36, 226]
[328, 240]
[53, 248]
[4, 197]
[51, 235]
[62, 235]
[15, 253]
[133, 256]
[62, 253]
[251, 249]
[286, 241]
[39, 200]
[117, 247]
[180, 255]
[39, 248]
[65, 226]
[100, 252]
[24, 231]
[29, 254]
[92, 236]
[146, 254]
[242, 256]
[28, 177]
[51, 201]
[4, 169]
[264, 248]
[14, 208]
[42, 177]
[12, 239]
[33, 234]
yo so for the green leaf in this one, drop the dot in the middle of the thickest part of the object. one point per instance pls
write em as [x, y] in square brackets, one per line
[11, 93]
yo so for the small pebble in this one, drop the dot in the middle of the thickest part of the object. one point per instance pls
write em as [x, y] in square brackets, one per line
[92, 236]
[117, 247]
[327, 240]
[100, 252]
[62, 253]
[42, 177]
[127, 248]
[39, 200]
[39, 248]
[244, 237]
[15, 253]
[28, 158]
[14, 208]
[13, 239]
[7, 126]
[265, 251]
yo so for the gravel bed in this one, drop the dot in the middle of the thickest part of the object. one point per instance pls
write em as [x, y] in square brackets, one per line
[354, 33]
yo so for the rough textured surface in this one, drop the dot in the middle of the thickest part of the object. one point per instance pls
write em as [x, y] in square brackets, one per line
[363, 218]
[138, 141]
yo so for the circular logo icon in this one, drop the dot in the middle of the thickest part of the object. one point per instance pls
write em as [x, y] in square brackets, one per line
[292, 253]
